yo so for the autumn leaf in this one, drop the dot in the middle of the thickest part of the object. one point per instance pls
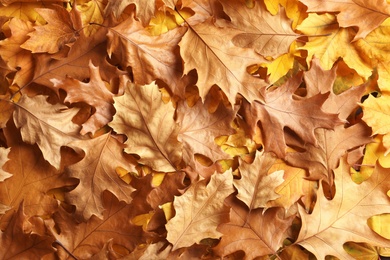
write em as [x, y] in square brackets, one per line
[85, 239]
[149, 126]
[269, 35]
[332, 218]
[80, 92]
[103, 155]
[350, 13]
[253, 232]
[3, 159]
[256, 187]
[91, 12]
[199, 211]
[156, 55]
[203, 48]
[283, 109]
[61, 29]
[377, 117]
[199, 128]
[30, 182]
[328, 42]
[145, 10]
[16, 57]
[21, 243]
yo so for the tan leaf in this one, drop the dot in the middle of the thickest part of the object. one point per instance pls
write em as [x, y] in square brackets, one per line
[60, 30]
[16, 57]
[199, 211]
[269, 35]
[49, 126]
[256, 187]
[18, 243]
[199, 128]
[149, 126]
[85, 239]
[150, 57]
[366, 15]
[344, 218]
[206, 48]
[144, 9]
[102, 100]
[32, 177]
[97, 173]
[253, 232]
[282, 108]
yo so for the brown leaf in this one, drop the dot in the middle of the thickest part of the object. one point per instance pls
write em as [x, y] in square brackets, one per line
[85, 239]
[269, 35]
[253, 232]
[199, 211]
[150, 57]
[18, 243]
[344, 218]
[149, 126]
[49, 126]
[321, 159]
[206, 48]
[282, 108]
[76, 62]
[199, 128]
[32, 177]
[366, 15]
[17, 58]
[61, 29]
[145, 9]
[256, 187]
[97, 173]
[102, 100]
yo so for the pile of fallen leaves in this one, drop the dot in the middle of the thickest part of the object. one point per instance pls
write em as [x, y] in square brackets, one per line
[194, 129]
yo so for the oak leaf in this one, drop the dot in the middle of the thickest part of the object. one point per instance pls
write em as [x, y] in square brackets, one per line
[253, 232]
[199, 211]
[295, 10]
[32, 178]
[17, 58]
[256, 187]
[97, 173]
[366, 15]
[102, 100]
[344, 218]
[202, 10]
[18, 243]
[282, 108]
[60, 30]
[376, 115]
[85, 239]
[217, 61]
[329, 42]
[149, 126]
[269, 35]
[199, 128]
[156, 56]
[49, 126]
[76, 62]
[144, 9]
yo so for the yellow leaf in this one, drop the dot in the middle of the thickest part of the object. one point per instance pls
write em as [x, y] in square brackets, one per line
[328, 42]
[142, 220]
[281, 65]
[380, 224]
[361, 251]
[161, 23]
[376, 113]
[295, 10]
[91, 12]
[23, 11]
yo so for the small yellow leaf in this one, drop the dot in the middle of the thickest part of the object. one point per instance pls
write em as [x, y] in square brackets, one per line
[380, 224]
